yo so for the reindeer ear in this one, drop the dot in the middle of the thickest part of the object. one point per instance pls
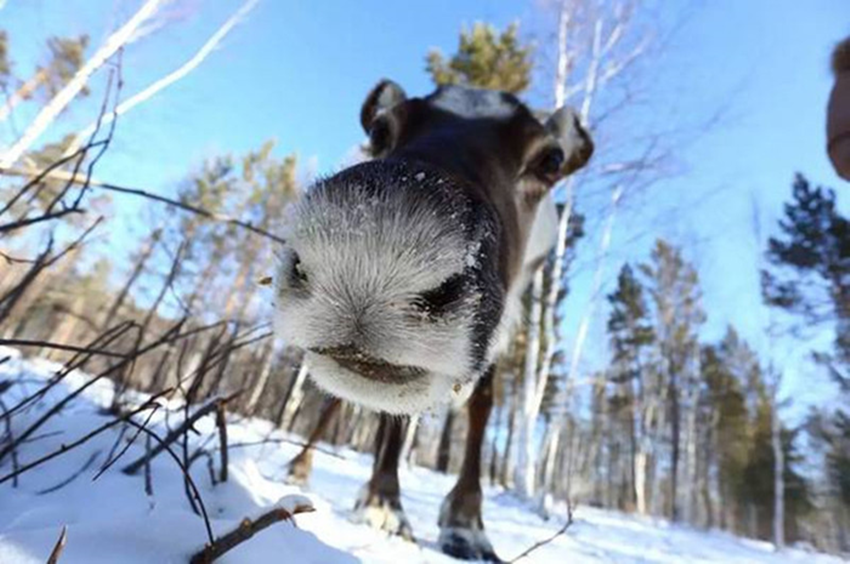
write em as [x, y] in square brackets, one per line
[383, 96]
[574, 140]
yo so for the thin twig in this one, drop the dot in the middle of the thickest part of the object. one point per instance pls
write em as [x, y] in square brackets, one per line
[68, 92]
[195, 492]
[82, 440]
[112, 460]
[11, 438]
[175, 434]
[59, 547]
[221, 423]
[175, 75]
[86, 465]
[77, 361]
[58, 406]
[148, 478]
[546, 541]
[247, 528]
[52, 171]
[51, 216]
[301, 444]
[60, 347]
[78, 179]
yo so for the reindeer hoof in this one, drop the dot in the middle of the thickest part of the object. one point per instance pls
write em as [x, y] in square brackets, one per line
[296, 479]
[298, 473]
[467, 544]
[383, 513]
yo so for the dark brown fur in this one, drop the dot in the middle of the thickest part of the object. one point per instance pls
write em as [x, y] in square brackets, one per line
[841, 57]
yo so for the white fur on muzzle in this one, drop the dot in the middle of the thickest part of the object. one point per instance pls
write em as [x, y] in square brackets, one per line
[359, 255]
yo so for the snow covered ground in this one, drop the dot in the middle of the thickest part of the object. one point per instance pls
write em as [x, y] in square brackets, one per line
[112, 519]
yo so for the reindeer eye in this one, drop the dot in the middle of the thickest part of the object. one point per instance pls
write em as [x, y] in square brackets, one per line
[551, 162]
[379, 135]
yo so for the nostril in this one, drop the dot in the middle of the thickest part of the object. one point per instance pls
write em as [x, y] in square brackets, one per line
[297, 272]
[339, 351]
[439, 300]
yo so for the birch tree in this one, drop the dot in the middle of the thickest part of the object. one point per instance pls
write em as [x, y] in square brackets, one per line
[79, 81]
[597, 42]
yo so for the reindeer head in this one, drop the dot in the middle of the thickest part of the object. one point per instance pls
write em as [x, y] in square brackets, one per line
[399, 272]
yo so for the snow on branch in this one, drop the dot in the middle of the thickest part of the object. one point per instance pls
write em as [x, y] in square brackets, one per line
[283, 510]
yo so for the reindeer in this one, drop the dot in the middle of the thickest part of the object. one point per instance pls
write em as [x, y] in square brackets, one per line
[402, 276]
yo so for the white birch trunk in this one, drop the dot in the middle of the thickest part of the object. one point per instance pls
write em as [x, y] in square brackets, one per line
[409, 435]
[265, 373]
[548, 475]
[534, 384]
[527, 416]
[778, 474]
[59, 102]
[165, 81]
[641, 458]
[296, 397]
[690, 487]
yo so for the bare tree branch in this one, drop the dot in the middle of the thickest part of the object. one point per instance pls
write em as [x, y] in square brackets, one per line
[187, 476]
[59, 547]
[547, 540]
[174, 76]
[61, 175]
[175, 434]
[46, 116]
[247, 528]
[66, 447]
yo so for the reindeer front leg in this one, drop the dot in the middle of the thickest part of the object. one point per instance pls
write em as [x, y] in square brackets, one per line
[461, 527]
[379, 503]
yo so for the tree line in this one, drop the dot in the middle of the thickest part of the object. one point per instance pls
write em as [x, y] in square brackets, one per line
[672, 426]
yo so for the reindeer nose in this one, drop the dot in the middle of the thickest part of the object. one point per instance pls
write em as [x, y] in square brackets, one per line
[342, 352]
[354, 359]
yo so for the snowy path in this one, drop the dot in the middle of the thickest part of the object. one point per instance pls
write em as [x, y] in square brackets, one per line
[112, 520]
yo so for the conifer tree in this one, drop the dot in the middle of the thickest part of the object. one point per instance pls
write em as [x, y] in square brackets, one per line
[485, 58]
[809, 276]
[674, 286]
[630, 334]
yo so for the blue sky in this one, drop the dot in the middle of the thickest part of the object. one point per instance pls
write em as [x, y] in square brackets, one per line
[297, 72]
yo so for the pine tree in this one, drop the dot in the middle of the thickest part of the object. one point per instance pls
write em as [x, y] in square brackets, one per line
[813, 252]
[726, 369]
[66, 55]
[809, 276]
[674, 286]
[485, 58]
[630, 334]
[758, 476]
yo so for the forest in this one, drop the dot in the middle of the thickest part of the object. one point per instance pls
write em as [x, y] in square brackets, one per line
[668, 422]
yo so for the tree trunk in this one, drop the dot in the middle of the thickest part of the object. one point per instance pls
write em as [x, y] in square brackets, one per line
[778, 477]
[691, 438]
[550, 457]
[409, 436]
[262, 380]
[675, 423]
[59, 102]
[445, 448]
[528, 415]
[138, 268]
[293, 399]
[506, 477]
